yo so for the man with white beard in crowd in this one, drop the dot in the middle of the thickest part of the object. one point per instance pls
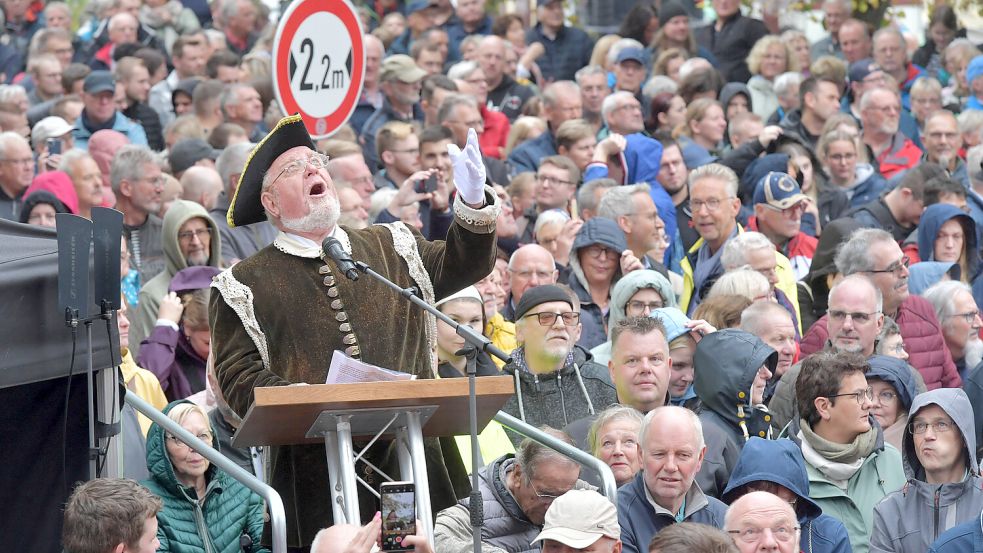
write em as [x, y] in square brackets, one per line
[960, 319]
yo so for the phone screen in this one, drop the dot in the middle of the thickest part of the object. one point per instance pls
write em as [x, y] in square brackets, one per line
[398, 514]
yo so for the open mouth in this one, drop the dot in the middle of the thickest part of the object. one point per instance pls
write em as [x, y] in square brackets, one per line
[317, 189]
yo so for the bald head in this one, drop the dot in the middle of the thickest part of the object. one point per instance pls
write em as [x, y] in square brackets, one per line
[201, 185]
[530, 265]
[766, 516]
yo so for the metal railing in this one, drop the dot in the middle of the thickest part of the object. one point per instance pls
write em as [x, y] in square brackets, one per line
[608, 485]
[274, 505]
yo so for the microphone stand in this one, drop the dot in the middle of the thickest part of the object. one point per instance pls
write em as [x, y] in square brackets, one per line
[475, 342]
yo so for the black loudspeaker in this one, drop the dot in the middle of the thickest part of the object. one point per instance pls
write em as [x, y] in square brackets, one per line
[106, 234]
[74, 242]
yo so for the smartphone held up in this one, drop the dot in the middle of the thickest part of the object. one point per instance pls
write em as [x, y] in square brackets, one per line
[398, 514]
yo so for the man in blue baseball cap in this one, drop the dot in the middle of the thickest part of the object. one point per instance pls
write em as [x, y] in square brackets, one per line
[778, 208]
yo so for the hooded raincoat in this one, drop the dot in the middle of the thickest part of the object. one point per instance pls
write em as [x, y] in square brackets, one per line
[780, 462]
[155, 289]
[902, 377]
[607, 233]
[929, 225]
[910, 519]
[189, 524]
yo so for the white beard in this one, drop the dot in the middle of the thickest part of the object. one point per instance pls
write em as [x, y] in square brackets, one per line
[974, 352]
[322, 215]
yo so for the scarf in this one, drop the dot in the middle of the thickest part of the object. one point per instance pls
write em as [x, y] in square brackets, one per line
[839, 462]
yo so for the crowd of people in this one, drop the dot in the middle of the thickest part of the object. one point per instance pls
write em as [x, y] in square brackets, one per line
[740, 267]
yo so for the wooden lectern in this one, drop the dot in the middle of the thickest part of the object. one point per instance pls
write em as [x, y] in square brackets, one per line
[337, 413]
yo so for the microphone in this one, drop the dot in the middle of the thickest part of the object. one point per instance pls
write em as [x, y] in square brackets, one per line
[332, 247]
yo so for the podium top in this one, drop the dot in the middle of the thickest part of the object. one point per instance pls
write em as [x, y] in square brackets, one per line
[282, 415]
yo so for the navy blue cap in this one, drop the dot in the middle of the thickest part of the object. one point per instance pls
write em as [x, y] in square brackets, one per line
[779, 190]
[419, 5]
[632, 54]
[860, 69]
[99, 81]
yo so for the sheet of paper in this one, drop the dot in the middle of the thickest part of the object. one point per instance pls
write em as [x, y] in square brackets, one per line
[345, 370]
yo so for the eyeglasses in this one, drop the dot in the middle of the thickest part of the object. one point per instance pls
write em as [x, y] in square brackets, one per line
[630, 107]
[476, 124]
[859, 396]
[899, 348]
[200, 234]
[205, 436]
[570, 318]
[546, 179]
[545, 497]
[894, 268]
[712, 205]
[598, 252]
[640, 307]
[887, 396]
[856, 316]
[920, 427]
[753, 534]
[790, 211]
[316, 160]
[969, 317]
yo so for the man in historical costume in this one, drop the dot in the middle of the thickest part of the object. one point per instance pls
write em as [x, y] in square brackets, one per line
[277, 316]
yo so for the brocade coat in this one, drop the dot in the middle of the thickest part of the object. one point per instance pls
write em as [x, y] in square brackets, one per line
[277, 316]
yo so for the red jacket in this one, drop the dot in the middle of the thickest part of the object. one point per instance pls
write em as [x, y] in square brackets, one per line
[901, 156]
[799, 250]
[492, 139]
[922, 337]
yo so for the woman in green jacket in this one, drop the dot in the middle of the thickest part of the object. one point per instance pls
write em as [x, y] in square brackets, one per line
[205, 509]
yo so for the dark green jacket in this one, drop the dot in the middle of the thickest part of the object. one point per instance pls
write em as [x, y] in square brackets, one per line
[229, 510]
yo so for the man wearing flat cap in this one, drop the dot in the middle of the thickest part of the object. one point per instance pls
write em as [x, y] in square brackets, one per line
[556, 383]
[278, 316]
[400, 81]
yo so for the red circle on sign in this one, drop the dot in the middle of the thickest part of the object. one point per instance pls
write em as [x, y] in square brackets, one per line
[318, 127]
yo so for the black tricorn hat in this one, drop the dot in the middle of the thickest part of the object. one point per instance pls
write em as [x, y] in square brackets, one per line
[246, 207]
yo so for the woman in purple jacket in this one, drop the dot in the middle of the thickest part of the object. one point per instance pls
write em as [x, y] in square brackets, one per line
[178, 347]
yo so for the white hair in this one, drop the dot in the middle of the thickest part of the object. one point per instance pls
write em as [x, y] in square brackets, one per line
[550, 217]
[942, 296]
[736, 249]
[785, 83]
[611, 102]
[658, 84]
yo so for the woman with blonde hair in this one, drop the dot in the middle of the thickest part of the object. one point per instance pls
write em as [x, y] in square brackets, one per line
[524, 128]
[702, 132]
[205, 509]
[601, 50]
[769, 58]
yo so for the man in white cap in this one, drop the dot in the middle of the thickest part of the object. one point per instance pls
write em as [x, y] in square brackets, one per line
[581, 520]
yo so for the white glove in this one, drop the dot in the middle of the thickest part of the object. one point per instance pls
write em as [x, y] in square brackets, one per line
[469, 171]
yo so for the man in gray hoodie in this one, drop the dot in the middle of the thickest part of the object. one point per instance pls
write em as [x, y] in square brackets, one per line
[944, 486]
[556, 383]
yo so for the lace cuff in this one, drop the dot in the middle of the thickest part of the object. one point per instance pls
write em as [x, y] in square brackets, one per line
[478, 221]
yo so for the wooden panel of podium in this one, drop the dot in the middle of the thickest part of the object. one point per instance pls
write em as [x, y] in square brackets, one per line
[336, 413]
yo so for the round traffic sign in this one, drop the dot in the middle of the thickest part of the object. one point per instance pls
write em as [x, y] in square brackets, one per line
[319, 63]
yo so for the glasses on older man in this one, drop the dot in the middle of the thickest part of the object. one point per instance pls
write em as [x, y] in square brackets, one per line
[570, 318]
[316, 160]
